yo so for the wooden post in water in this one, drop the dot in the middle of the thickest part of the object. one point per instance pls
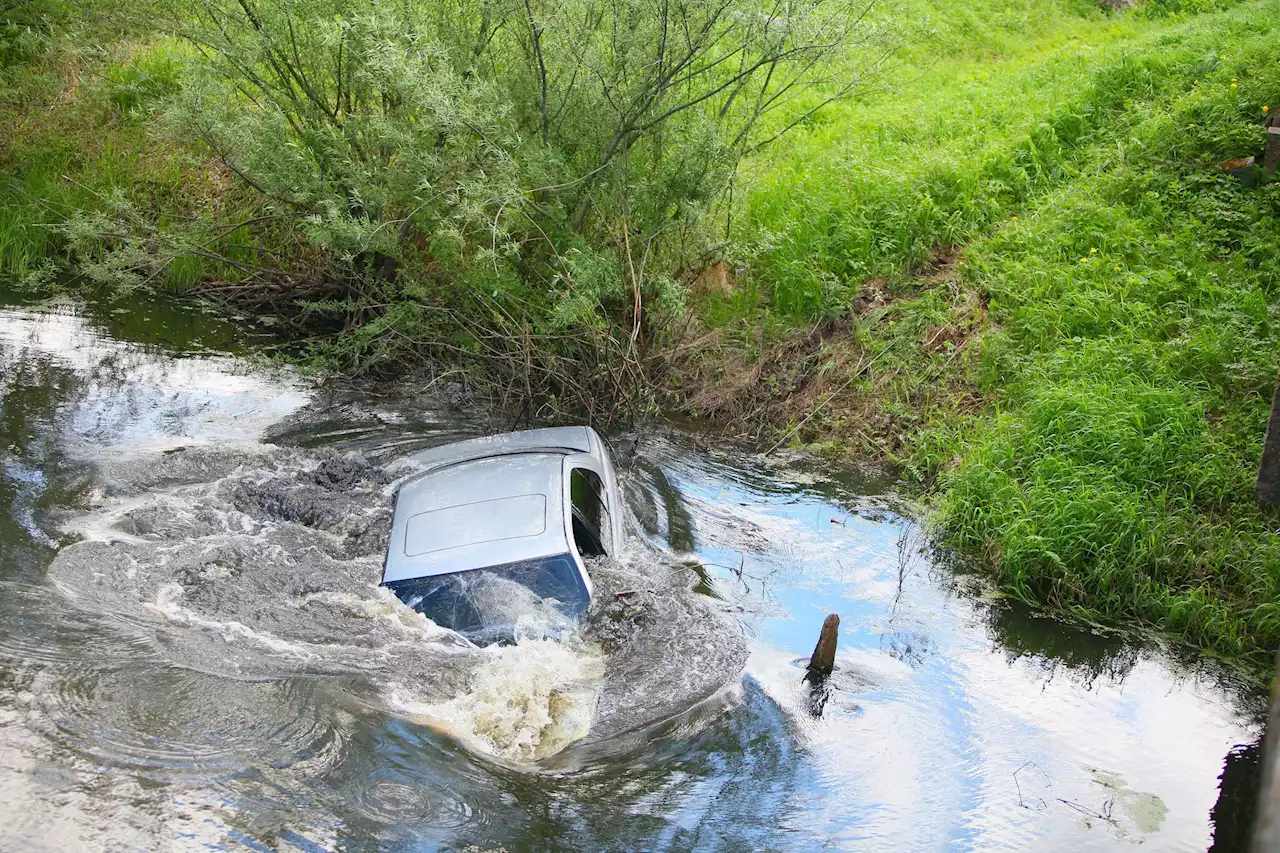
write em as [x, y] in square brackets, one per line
[824, 654]
[1268, 487]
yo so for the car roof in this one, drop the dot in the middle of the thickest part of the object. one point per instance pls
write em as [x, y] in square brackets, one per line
[479, 512]
[561, 440]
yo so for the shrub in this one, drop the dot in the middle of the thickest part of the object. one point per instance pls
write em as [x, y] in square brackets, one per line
[559, 160]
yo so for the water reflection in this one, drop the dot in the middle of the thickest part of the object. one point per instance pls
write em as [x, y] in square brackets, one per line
[941, 697]
[1238, 784]
[675, 523]
[1057, 647]
[66, 382]
[951, 722]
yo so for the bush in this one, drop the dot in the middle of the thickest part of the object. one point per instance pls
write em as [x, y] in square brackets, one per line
[556, 161]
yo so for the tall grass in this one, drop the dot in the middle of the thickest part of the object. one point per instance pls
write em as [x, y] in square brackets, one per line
[1136, 349]
[1001, 118]
[85, 136]
[1131, 335]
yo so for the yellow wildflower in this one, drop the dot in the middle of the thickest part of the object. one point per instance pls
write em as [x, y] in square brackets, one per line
[1093, 250]
[1117, 268]
[1084, 260]
[1235, 85]
[1266, 109]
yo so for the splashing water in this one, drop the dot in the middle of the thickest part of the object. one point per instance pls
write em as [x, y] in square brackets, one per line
[523, 702]
[272, 569]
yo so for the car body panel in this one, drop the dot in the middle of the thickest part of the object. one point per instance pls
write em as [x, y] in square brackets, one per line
[501, 501]
[469, 525]
[553, 439]
[474, 514]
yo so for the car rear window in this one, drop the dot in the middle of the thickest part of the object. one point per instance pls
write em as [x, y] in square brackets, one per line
[485, 604]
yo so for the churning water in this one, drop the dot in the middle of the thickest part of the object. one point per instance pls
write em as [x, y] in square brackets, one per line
[195, 654]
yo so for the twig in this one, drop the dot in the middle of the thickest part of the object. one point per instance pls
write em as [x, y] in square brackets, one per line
[857, 373]
[1021, 803]
[1085, 810]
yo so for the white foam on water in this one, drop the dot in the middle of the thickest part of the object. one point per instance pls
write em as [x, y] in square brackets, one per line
[381, 604]
[519, 703]
[253, 563]
[524, 702]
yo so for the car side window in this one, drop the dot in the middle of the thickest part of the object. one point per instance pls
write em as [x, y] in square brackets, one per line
[591, 522]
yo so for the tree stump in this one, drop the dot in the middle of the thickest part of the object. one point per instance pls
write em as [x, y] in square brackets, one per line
[1268, 487]
[824, 654]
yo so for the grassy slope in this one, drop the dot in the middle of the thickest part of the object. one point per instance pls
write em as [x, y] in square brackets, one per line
[1138, 349]
[1130, 347]
[982, 115]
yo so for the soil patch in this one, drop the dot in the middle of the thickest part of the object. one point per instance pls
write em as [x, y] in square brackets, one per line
[904, 351]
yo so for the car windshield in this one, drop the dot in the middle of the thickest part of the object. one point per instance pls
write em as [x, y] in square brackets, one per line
[485, 604]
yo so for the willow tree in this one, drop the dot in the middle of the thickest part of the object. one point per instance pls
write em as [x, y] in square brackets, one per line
[565, 156]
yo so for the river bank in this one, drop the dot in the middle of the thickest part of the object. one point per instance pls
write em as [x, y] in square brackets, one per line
[1013, 269]
[1086, 384]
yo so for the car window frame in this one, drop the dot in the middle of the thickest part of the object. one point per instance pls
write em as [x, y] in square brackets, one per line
[604, 532]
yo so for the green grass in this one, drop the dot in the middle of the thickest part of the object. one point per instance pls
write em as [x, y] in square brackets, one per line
[84, 137]
[1135, 350]
[999, 121]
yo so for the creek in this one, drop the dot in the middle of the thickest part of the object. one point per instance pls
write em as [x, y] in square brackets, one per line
[195, 654]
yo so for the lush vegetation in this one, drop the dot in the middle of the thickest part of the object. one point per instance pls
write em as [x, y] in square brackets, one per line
[1135, 351]
[884, 182]
[995, 247]
[77, 99]
[1085, 376]
[516, 185]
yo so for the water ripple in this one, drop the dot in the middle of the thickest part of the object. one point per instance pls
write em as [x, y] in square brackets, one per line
[172, 724]
[418, 802]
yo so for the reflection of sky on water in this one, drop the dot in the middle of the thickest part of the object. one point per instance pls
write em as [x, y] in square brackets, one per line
[130, 398]
[931, 713]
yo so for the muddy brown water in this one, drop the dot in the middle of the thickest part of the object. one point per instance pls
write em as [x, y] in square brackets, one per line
[194, 653]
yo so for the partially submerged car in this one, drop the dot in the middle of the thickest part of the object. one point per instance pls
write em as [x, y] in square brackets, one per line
[495, 528]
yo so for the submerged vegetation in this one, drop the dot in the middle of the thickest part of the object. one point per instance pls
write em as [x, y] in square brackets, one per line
[989, 240]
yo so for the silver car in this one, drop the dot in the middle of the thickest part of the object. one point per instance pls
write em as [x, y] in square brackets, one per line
[496, 526]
